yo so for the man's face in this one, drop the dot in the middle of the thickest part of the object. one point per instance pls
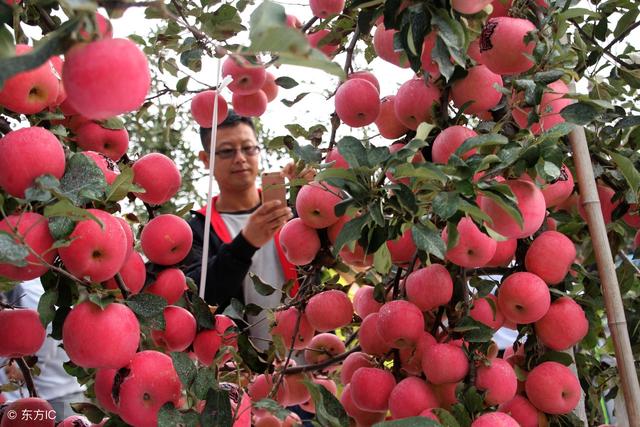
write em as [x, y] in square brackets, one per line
[240, 171]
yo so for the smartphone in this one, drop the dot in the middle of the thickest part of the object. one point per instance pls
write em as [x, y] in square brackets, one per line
[273, 188]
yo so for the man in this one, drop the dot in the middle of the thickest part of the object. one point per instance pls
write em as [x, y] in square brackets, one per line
[244, 235]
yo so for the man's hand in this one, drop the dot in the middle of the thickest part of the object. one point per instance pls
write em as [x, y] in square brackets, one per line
[289, 172]
[265, 222]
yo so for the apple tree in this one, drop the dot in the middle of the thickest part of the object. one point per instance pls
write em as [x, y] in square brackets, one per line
[439, 214]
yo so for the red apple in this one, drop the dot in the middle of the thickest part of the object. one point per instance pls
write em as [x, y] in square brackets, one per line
[26, 154]
[564, 312]
[251, 105]
[383, 45]
[31, 91]
[33, 231]
[357, 102]
[549, 110]
[474, 248]
[521, 410]
[477, 87]
[113, 143]
[29, 412]
[364, 418]
[322, 347]
[414, 101]
[550, 256]
[22, 333]
[505, 251]
[247, 78]
[352, 363]
[329, 310]
[502, 45]
[321, 40]
[530, 203]
[117, 344]
[523, 298]
[364, 303]
[444, 363]
[400, 323]
[410, 397]
[179, 331]
[371, 388]
[326, 8]
[448, 141]
[96, 251]
[152, 382]
[370, 340]
[169, 284]
[166, 239]
[159, 176]
[365, 75]
[495, 419]
[429, 287]
[108, 167]
[202, 108]
[106, 78]
[103, 389]
[553, 388]
[498, 380]
[285, 327]
[315, 204]
[299, 242]
[387, 122]
[487, 313]
[270, 88]
[133, 274]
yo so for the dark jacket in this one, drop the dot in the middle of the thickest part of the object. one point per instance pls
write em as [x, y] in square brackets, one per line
[229, 259]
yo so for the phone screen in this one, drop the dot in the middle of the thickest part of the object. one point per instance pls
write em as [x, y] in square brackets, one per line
[273, 187]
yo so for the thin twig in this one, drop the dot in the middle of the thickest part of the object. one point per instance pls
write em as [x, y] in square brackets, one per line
[28, 379]
[600, 48]
[47, 22]
[201, 38]
[308, 24]
[320, 366]
[622, 35]
[626, 259]
[5, 126]
[122, 286]
[352, 45]
[335, 123]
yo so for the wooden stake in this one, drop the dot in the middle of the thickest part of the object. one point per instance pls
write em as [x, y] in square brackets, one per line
[607, 272]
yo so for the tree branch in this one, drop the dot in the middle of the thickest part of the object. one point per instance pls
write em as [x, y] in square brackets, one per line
[352, 45]
[622, 35]
[601, 49]
[308, 24]
[28, 379]
[321, 365]
[121, 285]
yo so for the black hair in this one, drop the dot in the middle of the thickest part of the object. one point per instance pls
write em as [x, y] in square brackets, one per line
[232, 120]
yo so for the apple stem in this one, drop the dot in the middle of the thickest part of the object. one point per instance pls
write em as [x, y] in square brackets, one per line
[396, 283]
[121, 285]
[26, 373]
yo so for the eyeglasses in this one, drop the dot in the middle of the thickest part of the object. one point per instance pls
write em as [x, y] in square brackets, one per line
[230, 153]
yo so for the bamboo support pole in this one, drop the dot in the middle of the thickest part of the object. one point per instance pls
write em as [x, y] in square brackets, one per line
[606, 270]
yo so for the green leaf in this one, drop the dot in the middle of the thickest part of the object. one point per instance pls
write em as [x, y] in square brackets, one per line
[83, 181]
[202, 313]
[204, 381]
[351, 231]
[89, 410]
[146, 305]
[485, 140]
[12, 252]
[353, 151]
[546, 77]
[313, 59]
[329, 411]
[235, 309]
[217, 410]
[308, 153]
[54, 43]
[297, 99]
[446, 204]
[269, 33]
[428, 240]
[47, 306]
[169, 416]
[382, 260]
[445, 417]
[255, 360]
[273, 407]
[629, 171]
[185, 368]
[502, 196]
[474, 331]
[286, 82]
[42, 189]
[442, 57]
[181, 85]
[261, 287]
[113, 123]
[122, 185]
[409, 422]
[579, 113]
